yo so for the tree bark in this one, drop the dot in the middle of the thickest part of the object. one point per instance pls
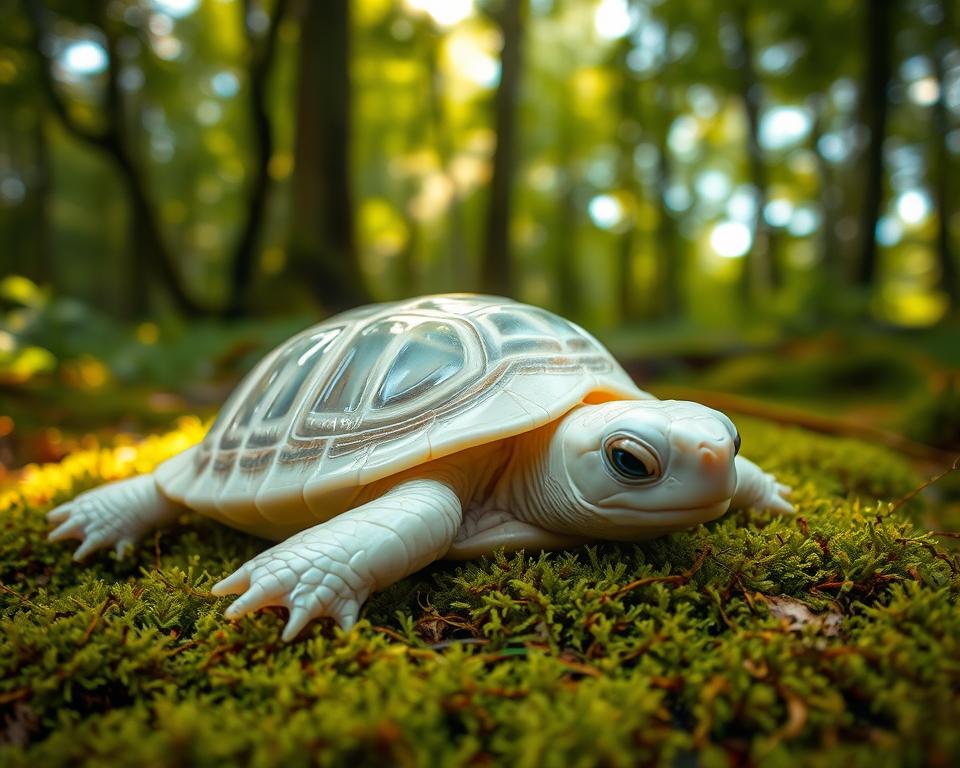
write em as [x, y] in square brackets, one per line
[873, 115]
[322, 245]
[497, 269]
[261, 56]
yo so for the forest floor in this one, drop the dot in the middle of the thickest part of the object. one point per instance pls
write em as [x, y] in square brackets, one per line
[831, 637]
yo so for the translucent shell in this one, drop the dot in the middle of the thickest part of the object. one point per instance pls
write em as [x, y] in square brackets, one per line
[380, 389]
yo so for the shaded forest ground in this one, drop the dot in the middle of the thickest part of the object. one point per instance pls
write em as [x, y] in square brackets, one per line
[827, 638]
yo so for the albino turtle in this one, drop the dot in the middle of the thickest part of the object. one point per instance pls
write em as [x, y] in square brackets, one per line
[445, 426]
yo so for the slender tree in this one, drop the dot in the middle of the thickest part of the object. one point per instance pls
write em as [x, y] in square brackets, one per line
[628, 133]
[322, 245]
[565, 230]
[40, 246]
[941, 165]
[873, 116]
[497, 272]
[666, 300]
[261, 53]
[760, 273]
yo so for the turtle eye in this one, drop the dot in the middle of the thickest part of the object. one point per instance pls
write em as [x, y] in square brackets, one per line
[631, 460]
[736, 444]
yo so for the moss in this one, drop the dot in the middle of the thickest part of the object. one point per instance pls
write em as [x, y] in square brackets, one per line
[830, 638]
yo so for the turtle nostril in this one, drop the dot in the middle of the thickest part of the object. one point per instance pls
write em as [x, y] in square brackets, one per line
[736, 444]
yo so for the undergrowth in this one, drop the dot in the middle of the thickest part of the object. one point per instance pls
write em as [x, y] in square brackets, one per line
[828, 638]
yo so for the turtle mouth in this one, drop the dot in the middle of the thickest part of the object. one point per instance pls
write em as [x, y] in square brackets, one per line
[701, 512]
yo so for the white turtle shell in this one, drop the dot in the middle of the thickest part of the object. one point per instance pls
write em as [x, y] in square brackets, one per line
[381, 389]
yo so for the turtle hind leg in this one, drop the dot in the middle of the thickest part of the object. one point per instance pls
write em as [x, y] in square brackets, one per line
[114, 515]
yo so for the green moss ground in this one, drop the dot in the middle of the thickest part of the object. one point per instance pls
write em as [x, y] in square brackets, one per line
[830, 638]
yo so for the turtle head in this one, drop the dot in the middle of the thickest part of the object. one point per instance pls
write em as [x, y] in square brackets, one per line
[635, 469]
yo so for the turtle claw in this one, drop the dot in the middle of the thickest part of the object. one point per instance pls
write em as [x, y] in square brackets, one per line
[72, 528]
[120, 548]
[781, 505]
[776, 499]
[59, 514]
[253, 599]
[299, 618]
[90, 545]
[234, 584]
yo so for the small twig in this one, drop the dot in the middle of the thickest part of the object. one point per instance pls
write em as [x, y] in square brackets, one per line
[927, 545]
[861, 584]
[679, 579]
[17, 595]
[107, 604]
[17, 694]
[923, 486]
[391, 633]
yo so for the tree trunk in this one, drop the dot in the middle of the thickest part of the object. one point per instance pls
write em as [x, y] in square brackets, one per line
[760, 273]
[136, 273]
[565, 232]
[323, 250]
[940, 185]
[261, 55]
[42, 253]
[497, 272]
[664, 297]
[627, 128]
[873, 115]
[830, 275]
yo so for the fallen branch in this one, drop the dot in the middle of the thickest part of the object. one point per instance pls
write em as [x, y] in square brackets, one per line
[679, 579]
[814, 422]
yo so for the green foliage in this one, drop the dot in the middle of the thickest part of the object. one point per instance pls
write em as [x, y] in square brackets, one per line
[823, 368]
[829, 638]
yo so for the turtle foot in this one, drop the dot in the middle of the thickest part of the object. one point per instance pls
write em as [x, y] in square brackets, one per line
[309, 574]
[113, 515]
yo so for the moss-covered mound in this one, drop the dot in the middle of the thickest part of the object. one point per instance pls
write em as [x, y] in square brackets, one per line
[829, 638]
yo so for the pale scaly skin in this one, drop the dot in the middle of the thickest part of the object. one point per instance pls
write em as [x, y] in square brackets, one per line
[549, 488]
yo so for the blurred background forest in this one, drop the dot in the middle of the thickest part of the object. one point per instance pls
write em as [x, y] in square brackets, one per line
[754, 202]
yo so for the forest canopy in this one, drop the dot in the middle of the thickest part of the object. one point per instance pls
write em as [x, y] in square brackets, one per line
[617, 160]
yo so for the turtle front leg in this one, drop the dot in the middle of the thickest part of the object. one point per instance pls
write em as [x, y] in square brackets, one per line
[331, 569]
[759, 489]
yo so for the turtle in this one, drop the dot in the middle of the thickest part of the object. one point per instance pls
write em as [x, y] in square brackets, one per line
[446, 426]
